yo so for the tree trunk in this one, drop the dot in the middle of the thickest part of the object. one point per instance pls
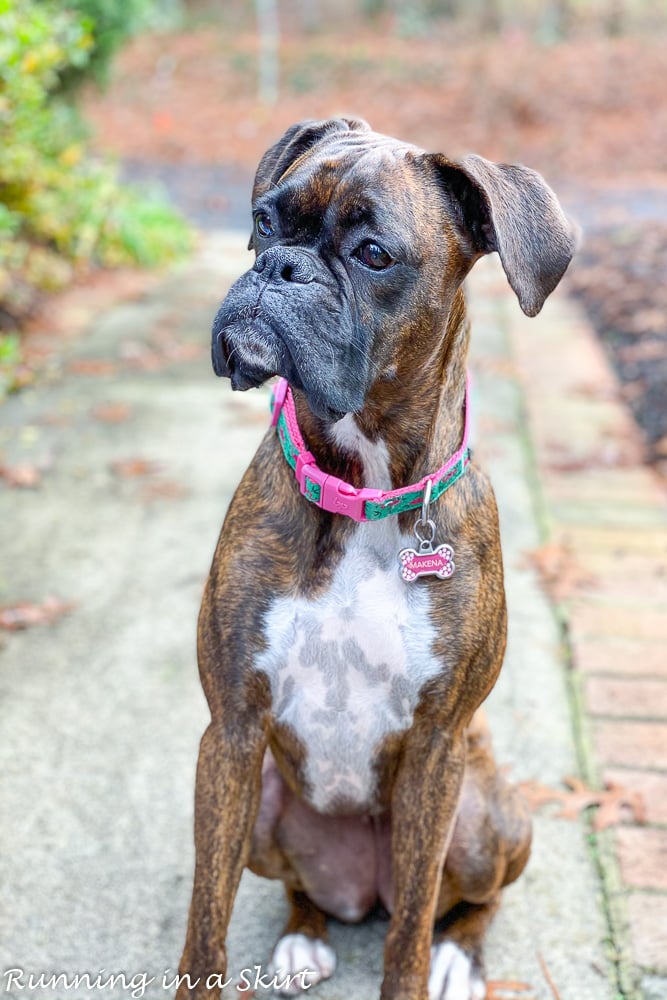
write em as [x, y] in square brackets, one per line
[269, 39]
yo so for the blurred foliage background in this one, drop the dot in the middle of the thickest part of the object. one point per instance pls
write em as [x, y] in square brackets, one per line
[60, 206]
[222, 79]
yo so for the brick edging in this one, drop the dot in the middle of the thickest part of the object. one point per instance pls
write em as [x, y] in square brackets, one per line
[606, 513]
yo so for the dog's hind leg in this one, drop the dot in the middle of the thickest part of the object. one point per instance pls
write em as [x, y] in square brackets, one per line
[489, 849]
[302, 957]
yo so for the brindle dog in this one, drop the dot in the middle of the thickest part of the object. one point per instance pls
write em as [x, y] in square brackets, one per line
[345, 753]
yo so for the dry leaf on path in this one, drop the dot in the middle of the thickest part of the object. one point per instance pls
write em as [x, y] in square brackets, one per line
[134, 468]
[508, 989]
[26, 614]
[610, 801]
[92, 366]
[547, 976]
[111, 413]
[165, 489]
[24, 476]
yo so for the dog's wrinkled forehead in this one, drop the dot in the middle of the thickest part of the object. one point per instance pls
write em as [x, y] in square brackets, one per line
[340, 142]
[347, 181]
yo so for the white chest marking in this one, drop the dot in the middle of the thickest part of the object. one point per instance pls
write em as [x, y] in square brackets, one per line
[346, 669]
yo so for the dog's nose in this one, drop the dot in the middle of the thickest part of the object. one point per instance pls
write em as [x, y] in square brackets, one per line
[285, 264]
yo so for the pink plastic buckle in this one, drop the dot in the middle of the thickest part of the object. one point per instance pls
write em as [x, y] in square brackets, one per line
[340, 497]
[336, 496]
[279, 394]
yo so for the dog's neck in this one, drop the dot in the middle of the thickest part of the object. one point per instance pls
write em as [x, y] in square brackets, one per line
[417, 414]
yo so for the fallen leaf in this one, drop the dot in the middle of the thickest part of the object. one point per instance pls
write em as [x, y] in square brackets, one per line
[24, 476]
[26, 614]
[506, 989]
[547, 976]
[111, 413]
[610, 808]
[611, 801]
[92, 366]
[133, 468]
[165, 489]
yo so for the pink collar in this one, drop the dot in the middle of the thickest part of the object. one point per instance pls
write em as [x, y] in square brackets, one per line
[333, 494]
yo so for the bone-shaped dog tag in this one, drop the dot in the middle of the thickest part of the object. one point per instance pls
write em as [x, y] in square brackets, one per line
[426, 562]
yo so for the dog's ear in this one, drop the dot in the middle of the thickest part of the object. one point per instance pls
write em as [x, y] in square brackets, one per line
[297, 140]
[511, 209]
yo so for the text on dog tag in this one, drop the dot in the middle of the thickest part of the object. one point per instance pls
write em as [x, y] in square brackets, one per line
[427, 562]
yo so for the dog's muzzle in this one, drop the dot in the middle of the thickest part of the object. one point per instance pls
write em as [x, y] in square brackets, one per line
[245, 346]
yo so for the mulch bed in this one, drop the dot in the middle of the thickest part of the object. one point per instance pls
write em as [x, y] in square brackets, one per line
[619, 276]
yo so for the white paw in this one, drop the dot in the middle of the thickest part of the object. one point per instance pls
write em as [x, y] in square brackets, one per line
[298, 962]
[452, 975]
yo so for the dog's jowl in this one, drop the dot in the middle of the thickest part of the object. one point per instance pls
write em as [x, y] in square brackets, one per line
[354, 616]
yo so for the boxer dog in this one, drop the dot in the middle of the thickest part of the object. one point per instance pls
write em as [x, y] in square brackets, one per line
[354, 617]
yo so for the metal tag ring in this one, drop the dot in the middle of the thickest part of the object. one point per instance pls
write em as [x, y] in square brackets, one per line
[426, 524]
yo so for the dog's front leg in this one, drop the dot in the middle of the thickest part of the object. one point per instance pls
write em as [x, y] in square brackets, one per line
[424, 801]
[226, 802]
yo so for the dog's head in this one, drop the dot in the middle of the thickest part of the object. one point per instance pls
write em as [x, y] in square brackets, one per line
[361, 242]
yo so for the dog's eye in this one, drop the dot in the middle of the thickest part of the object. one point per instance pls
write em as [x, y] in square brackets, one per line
[263, 225]
[374, 256]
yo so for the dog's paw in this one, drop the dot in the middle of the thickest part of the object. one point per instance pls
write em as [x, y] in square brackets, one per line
[299, 962]
[454, 975]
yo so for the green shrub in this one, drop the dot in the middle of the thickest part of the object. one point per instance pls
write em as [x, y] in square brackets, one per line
[109, 23]
[60, 207]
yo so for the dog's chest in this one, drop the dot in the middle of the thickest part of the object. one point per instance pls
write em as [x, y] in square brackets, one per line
[346, 668]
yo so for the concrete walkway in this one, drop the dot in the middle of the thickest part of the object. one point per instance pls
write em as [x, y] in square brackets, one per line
[102, 711]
